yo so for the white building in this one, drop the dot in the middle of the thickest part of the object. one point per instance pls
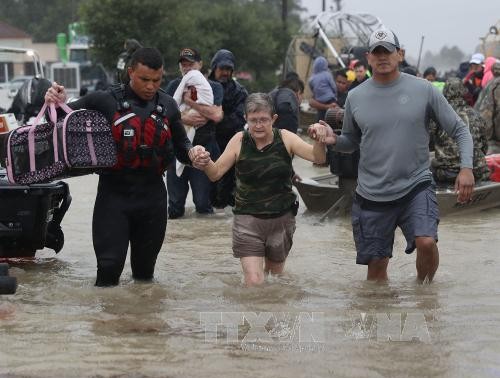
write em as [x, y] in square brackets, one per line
[18, 64]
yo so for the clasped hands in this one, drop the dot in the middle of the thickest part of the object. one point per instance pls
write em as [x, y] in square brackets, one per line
[199, 156]
[55, 94]
[322, 133]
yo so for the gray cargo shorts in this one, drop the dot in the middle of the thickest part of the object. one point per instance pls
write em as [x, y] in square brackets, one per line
[271, 238]
[373, 226]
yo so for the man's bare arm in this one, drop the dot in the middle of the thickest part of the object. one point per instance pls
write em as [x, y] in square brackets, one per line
[210, 112]
[320, 106]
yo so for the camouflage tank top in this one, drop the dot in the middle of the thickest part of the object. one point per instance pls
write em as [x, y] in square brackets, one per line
[263, 178]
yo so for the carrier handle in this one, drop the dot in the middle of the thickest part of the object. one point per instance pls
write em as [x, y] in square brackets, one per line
[39, 115]
[64, 107]
[31, 133]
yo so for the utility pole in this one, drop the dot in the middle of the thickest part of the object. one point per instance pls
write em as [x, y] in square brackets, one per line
[339, 5]
[284, 13]
[284, 18]
[324, 5]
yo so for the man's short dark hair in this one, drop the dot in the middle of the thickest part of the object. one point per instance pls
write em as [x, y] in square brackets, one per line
[360, 64]
[342, 72]
[291, 75]
[430, 71]
[148, 56]
[293, 83]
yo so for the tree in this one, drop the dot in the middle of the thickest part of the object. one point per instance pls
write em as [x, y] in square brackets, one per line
[252, 30]
[41, 19]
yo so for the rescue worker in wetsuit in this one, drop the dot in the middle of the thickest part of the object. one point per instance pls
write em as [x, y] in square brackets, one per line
[131, 202]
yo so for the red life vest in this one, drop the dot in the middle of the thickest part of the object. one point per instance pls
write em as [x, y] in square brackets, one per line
[145, 145]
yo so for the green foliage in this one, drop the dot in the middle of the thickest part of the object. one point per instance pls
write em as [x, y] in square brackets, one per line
[41, 19]
[252, 30]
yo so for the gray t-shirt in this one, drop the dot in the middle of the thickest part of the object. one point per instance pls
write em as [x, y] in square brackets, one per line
[389, 123]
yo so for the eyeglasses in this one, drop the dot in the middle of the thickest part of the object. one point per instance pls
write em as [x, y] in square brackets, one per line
[256, 121]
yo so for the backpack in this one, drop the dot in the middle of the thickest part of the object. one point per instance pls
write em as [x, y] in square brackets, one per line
[142, 145]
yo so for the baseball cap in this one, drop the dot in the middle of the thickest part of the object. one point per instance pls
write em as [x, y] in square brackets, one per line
[383, 37]
[189, 54]
[477, 58]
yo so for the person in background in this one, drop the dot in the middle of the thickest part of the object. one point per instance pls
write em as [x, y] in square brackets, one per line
[286, 99]
[129, 47]
[233, 120]
[445, 165]
[361, 74]
[342, 86]
[430, 74]
[266, 205]
[472, 80]
[351, 76]
[463, 70]
[323, 88]
[488, 70]
[488, 105]
[203, 121]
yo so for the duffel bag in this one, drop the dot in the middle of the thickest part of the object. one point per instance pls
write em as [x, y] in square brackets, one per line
[33, 153]
[87, 141]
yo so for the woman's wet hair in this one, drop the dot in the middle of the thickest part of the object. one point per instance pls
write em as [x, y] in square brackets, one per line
[148, 56]
[259, 102]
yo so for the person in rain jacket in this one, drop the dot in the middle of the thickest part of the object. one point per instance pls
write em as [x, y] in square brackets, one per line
[233, 106]
[322, 86]
[488, 70]
[488, 104]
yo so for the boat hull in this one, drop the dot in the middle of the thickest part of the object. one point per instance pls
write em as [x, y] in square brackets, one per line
[320, 193]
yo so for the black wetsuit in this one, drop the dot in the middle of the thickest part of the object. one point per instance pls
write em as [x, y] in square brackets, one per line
[131, 204]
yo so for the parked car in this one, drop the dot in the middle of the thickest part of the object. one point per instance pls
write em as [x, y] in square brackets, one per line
[14, 85]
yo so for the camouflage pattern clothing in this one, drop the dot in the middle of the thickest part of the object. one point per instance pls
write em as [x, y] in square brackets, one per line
[263, 178]
[446, 163]
[488, 104]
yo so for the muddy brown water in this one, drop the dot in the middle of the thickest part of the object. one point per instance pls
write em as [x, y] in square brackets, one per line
[320, 319]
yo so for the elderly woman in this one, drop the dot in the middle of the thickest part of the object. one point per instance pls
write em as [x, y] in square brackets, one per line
[265, 204]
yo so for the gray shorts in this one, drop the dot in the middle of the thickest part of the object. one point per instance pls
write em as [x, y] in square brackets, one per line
[271, 238]
[373, 226]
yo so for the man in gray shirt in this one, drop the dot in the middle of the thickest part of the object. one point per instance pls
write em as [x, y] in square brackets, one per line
[387, 118]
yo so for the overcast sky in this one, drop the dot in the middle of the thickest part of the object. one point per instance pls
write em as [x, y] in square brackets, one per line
[443, 22]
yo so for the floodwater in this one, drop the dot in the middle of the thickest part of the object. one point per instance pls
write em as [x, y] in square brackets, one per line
[320, 319]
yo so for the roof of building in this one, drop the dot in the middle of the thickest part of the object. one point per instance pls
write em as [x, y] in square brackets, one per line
[10, 32]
